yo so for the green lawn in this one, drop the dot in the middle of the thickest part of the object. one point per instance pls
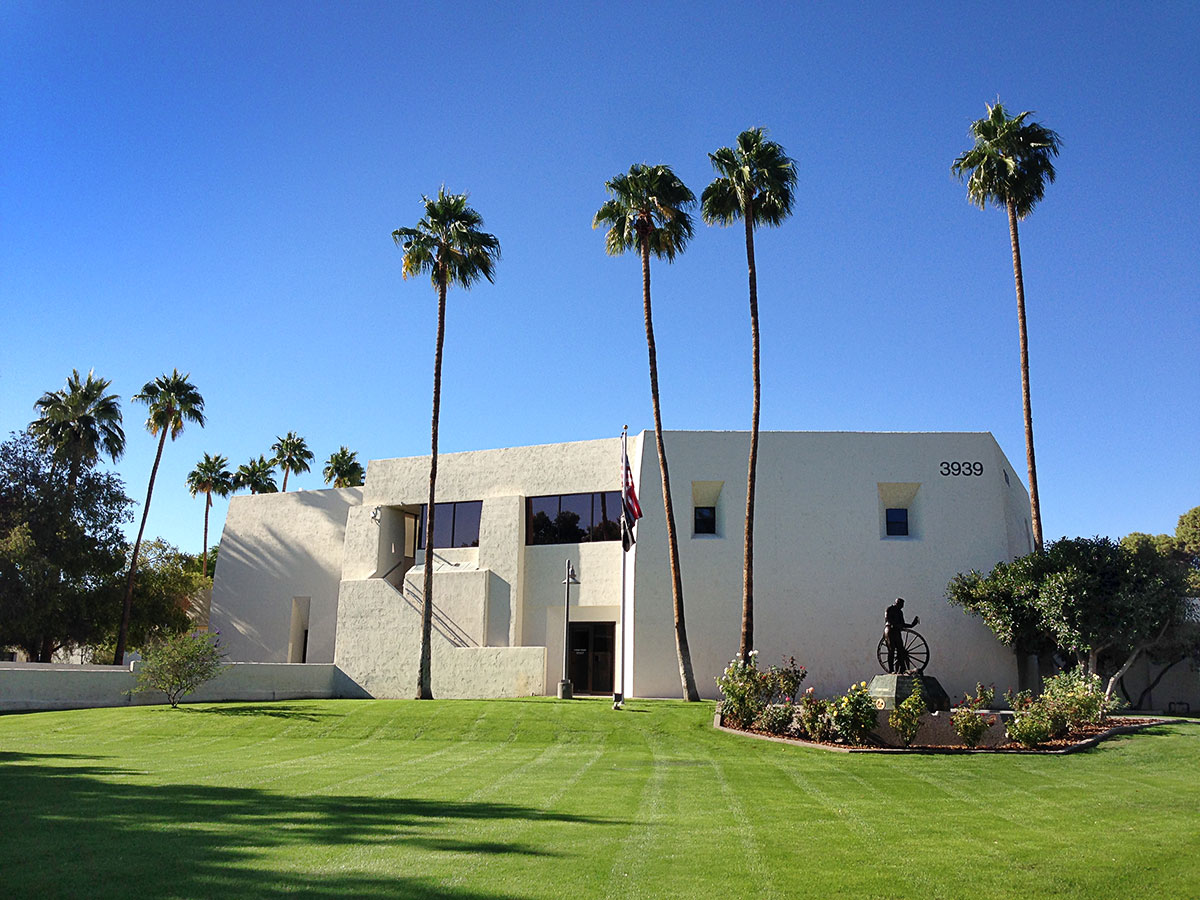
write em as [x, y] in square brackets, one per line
[538, 798]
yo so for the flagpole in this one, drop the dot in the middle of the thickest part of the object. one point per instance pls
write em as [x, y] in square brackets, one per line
[619, 696]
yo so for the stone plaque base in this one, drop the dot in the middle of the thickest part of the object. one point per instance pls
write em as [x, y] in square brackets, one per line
[889, 690]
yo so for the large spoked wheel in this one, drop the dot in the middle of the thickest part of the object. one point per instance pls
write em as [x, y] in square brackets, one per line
[912, 660]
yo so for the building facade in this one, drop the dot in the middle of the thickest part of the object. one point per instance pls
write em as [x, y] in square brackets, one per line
[845, 522]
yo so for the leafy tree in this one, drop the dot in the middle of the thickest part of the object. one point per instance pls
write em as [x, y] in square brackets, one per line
[1100, 602]
[291, 455]
[211, 476]
[1009, 167]
[756, 183]
[61, 552]
[258, 475]
[648, 212]
[172, 401]
[79, 424]
[448, 245]
[343, 469]
[180, 665]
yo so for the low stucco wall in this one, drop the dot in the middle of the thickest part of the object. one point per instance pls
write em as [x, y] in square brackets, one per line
[32, 686]
[378, 649]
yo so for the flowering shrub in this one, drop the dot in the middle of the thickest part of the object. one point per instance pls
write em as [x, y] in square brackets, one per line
[747, 691]
[813, 717]
[776, 718]
[970, 725]
[906, 717]
[853, 714]
[1078, 698]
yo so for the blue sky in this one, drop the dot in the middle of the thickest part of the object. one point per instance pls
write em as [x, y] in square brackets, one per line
[213, 187]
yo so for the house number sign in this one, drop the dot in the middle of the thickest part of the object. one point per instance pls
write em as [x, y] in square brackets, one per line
[961, 468]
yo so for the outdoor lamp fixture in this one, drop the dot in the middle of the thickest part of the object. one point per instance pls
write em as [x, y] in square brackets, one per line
[564, 686]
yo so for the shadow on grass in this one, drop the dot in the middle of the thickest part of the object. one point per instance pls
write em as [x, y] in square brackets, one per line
[72, 829]
[273, 710]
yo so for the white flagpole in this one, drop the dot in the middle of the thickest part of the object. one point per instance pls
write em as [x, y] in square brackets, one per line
[619, 696]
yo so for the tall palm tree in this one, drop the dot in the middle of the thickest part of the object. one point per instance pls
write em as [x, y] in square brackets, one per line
[343, 469]
[79, 423]
[448, 244]
[648, 212]
[291, 455]
[1009, 167]
[172, 400]
[756, 182]
[258, 475]
[211, 476]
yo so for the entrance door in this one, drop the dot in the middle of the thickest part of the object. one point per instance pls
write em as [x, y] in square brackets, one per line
[592, 646]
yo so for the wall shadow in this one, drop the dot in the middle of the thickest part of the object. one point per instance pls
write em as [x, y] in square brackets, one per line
[74, 826]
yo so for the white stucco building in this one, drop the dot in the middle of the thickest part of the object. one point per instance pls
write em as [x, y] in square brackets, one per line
[845, 522]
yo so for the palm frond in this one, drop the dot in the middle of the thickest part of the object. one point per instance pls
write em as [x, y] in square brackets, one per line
[1011, 161]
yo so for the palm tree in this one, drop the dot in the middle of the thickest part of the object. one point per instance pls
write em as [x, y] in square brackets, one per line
[343, 469]
[258, 475]
[756, 183]
[79, 423]
[448, 244]
[211, 476]
[648, 212]
[291, 455]
[1009, 166]
[172, 401]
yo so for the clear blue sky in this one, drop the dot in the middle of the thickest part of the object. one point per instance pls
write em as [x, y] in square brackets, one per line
[213, 187]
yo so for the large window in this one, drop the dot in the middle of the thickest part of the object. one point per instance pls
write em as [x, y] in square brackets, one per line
[573, 518]
[454, 524]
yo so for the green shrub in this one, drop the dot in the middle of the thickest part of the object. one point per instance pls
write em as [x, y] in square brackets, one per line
[967, 720]
[813, 718]
[1078, 698]
[853, 714]
[747, 691]
[776, 718]
[906, 717]
[1030, 727]
[182, 663]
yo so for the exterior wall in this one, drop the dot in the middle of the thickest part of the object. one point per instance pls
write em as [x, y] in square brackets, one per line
[824, 572]
[276, 547]
[382, 658]
[30, 686]
[499, 595]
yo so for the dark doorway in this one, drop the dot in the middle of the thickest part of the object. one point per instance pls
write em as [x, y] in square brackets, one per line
[592, 646]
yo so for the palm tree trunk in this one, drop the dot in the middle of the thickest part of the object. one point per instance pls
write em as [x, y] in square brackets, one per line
[207, 507]
[747, 643]
[424, 674]
[283, 490]
[123, 634]
[1035, 509]
[686, 678]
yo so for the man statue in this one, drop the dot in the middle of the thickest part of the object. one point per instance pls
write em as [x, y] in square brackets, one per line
[893, 634]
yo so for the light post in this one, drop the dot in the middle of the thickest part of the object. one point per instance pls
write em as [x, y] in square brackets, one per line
[564, 686]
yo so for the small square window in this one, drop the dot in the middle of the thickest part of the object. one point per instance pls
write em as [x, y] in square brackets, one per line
[897, 522]
[705, 520]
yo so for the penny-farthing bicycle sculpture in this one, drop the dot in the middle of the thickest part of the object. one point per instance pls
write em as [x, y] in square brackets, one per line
[911, 659]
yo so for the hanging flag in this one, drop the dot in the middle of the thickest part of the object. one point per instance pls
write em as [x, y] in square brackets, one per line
[629, 500]
[631, 510]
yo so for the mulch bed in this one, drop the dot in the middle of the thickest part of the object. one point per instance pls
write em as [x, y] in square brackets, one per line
[1080, 739]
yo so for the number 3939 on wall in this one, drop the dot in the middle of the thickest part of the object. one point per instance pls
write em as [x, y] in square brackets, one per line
[960, 468]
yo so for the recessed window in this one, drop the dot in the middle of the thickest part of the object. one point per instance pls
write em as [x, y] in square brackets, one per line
[454, 524]
[897, 522]
[706, 520]
[573, 518]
